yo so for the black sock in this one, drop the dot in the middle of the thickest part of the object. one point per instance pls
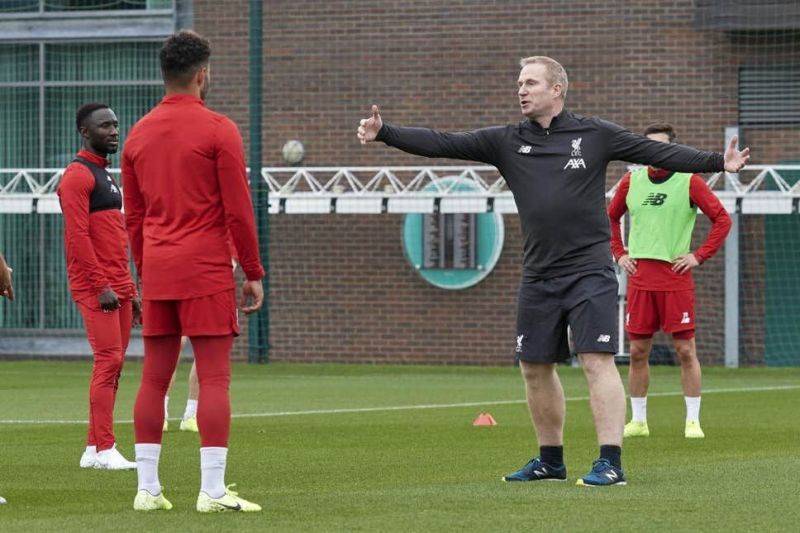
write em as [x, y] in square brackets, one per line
[552, 455]
[612, 453]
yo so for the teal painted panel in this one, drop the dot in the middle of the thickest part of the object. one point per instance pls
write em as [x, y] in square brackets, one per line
[490, 234]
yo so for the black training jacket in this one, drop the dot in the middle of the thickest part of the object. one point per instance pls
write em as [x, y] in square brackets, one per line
[558, 178]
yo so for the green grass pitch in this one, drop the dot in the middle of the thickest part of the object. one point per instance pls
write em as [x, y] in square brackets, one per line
[390, 464]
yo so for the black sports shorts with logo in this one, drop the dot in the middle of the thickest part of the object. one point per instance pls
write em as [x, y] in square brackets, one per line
[586, 301]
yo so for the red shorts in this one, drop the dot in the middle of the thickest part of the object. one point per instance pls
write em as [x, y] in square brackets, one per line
[213, 315]
[669, 311]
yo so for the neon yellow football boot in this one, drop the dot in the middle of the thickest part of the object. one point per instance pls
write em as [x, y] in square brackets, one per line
[693, 430]
[230, 501]
[145, 501]
[634, 428]
[190, 424]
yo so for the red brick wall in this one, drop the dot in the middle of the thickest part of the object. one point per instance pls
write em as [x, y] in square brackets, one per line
[340, 286]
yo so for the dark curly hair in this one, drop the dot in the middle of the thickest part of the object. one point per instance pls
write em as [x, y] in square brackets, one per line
[661, 127]
[85, 110]
[182, 55]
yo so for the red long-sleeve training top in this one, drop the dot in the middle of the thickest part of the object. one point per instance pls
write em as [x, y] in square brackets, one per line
[185, 185]
[655, 275]
[95, 241]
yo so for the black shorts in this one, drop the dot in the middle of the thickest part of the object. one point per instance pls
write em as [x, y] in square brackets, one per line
[586, 301]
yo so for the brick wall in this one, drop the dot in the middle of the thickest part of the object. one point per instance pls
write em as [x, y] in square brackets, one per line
[340, 286]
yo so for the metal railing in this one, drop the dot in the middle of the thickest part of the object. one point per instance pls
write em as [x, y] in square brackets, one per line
[757, 189]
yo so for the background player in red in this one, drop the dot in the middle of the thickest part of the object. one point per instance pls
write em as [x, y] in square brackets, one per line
[186, 186]
[99, 278]
[663, 207]
[8, 291]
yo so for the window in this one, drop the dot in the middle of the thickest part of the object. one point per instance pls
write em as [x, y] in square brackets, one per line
[769, 95]
[28, 6]
[449, 241]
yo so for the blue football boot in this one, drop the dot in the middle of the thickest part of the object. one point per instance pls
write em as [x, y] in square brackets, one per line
[603, 474]
[536, 470]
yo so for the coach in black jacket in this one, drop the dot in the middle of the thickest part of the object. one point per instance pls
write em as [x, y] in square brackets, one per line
[555, 165]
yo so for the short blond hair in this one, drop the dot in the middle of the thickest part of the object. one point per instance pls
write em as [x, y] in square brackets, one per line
[555, 72]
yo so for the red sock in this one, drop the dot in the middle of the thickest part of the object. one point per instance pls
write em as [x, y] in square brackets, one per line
[161, 356]
[212, 356]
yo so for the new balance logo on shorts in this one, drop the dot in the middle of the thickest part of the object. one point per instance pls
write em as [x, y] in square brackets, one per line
[655, 198]
[519, 343]
[525, 149]
[604, 338]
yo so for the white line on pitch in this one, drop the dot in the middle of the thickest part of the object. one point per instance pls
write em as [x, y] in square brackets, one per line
[410, 407]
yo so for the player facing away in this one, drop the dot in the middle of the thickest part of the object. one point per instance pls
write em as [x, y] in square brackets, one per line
[554, 162]
[100, 281]
[186, 187]
[663, 208]
[7, 290]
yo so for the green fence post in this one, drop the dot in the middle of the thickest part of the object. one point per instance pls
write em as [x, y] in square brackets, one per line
[259, 323]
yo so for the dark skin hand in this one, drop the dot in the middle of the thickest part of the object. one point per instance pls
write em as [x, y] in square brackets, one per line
[136, 303]
[108, 300]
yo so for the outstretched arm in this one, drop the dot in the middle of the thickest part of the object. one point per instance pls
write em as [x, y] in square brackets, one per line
[627, 146]
[477, 145]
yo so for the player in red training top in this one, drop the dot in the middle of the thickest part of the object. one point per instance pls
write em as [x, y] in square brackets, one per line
[100, 280]
[663, 208]
[185, 186]
[6, 290]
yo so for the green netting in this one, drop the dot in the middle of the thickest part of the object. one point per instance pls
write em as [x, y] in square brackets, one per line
[782, 284]
[19, 62]
[110, 62]
[37, 130]
[19, 146]
[129, 103]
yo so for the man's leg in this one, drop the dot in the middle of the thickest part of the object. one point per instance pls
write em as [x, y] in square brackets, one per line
[546, 406]
[607, 396]
[189, 421]
[541, 343]
[161, 356]
[107, 336]
[638, 384]
[639, 375]
[545, 402]
[212, 357]
[184, 340]
[691, 375]
[691, 378]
